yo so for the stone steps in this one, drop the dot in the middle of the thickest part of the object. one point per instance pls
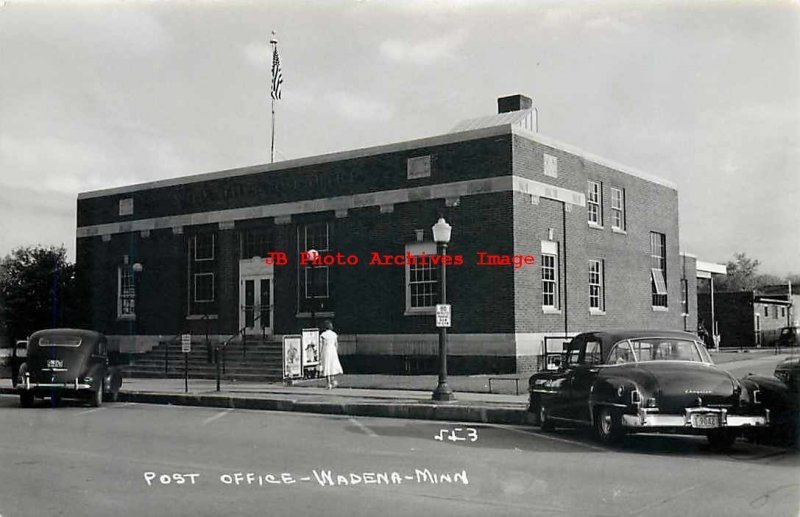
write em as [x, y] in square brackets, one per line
[263, 360]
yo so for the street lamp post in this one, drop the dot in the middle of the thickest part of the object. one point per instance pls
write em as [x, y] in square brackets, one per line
[441, 235]
[313, 255]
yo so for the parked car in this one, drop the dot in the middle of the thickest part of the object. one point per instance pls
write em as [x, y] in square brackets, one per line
[631, 381]
[68, 363]
[10, 360]
[788, 371]
[788, 336]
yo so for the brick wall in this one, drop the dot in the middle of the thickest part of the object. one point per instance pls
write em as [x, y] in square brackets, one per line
[371, 300]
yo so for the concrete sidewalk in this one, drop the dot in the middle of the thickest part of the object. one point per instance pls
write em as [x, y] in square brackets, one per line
[404, 403]
[394, 396]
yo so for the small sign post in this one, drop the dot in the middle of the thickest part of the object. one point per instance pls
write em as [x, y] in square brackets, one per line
[186, 347]
[443, 315]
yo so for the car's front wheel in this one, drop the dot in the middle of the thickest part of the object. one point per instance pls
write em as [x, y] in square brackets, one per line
[608, 425]
[721, 439]
[545, 422]
[97, 396]
[26, 399]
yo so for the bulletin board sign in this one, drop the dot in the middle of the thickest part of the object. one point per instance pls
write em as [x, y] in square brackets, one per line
[292, 356]
[310, 347]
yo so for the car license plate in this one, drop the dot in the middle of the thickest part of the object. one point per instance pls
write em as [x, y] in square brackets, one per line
[705, 421]
[55, 363]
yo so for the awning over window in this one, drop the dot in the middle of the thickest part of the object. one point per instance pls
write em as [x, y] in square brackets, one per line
[658, 280]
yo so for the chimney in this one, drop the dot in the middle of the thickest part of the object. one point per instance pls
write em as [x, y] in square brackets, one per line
[514, 103]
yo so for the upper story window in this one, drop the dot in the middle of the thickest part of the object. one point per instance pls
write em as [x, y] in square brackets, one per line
[658, 268]
[594, 202]
[550, 166]
[766, 311]
[422, 279]
[204, 246]
[596, 286]
[617, 208]
[256, 243]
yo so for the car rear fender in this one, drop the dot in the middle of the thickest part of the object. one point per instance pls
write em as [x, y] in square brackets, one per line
[772, 393]
[612, 391]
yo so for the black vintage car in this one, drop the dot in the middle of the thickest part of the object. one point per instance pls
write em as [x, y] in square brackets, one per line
[68, 363]
[620, 382]
[10, 360]
[788, 371]
[788, 337]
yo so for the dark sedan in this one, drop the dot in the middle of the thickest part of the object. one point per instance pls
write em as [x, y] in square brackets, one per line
[68, 363]
[621, 382]
[788, 371]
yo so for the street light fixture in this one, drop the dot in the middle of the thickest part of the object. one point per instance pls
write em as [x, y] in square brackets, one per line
[441, 235]
[313, 255]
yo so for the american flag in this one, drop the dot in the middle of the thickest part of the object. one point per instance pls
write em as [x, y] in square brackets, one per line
[277, 75]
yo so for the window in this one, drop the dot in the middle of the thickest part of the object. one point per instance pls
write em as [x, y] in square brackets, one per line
[202, 273]
[617, 208]
[422, 279]
[592, 354]
[574, 352]
[255, 243]
[596, 287]
[204, 247]
[783, 312]
[766, 311]
[550, 166]
[550, 280]
[658, 268]
[314, 280]
[776, 312]
[621, 354]
[667, 349]
[204, 287]
[126, 291]
[594, 202]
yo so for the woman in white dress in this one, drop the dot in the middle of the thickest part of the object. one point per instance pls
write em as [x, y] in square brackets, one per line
[329, 355]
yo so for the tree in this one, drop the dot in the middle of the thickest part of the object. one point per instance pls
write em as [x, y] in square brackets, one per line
[37, 290]
[741, 274]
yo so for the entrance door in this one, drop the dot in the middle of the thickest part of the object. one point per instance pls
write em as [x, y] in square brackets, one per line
[255, 298]
[758, 329]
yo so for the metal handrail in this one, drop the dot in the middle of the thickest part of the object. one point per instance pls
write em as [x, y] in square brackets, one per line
[241, 330]
[224, 344]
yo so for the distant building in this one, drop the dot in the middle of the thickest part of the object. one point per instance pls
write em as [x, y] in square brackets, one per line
[750, 318]
[604, 238]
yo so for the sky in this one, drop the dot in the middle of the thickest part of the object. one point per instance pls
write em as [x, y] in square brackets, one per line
[706, 94]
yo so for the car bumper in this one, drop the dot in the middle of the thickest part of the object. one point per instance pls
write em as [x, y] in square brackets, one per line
[27, 385]
[691, 419]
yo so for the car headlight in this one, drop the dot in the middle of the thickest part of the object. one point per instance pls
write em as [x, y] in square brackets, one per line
[88, 380]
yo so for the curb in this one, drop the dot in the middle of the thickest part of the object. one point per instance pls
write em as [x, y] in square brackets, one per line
[474, 413]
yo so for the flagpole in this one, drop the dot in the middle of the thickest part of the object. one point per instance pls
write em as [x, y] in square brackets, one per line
[274, 43]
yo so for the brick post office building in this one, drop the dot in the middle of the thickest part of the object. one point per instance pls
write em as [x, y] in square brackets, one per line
[187, 254]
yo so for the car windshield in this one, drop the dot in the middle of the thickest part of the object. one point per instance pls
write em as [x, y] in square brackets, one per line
[71, 342]
[658, 349]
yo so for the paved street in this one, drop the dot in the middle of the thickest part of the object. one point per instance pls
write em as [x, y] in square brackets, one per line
[75, 460]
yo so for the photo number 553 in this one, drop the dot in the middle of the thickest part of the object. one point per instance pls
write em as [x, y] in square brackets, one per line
[458, 434]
